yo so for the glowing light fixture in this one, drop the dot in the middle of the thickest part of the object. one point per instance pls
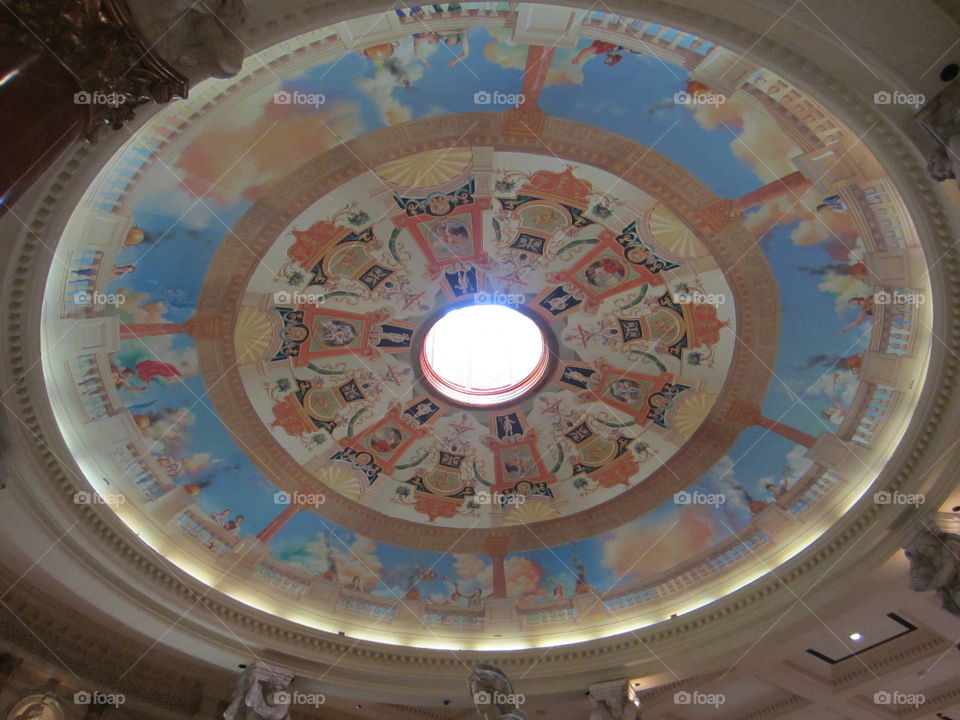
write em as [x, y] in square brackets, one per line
[482, 355]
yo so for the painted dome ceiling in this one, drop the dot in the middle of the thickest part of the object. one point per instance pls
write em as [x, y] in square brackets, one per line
[727, 290]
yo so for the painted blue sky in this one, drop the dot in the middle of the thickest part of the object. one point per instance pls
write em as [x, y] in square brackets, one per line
[183, 237]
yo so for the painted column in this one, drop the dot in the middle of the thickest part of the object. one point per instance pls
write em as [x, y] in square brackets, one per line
[495, 548]
[725, 212]
[749, 414]
[153, 330]
[528, 118]
[795, 183]
[199, 327]
[275, 525]
[535, 75]
[790, 433]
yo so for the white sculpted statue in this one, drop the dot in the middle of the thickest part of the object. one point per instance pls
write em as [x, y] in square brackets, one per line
[199, 39]
[614, 710]
[934, 565]
[941, 118]
[611, 701]
[263, 693]
[37, 707]
[489, 686]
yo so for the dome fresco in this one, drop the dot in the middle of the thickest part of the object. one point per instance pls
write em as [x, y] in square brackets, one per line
[730, 288]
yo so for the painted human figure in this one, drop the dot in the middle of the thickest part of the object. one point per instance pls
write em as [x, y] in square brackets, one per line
[507, 425]
[471, 598]
[833, 202]
[780, 489]
[514, 465]
[395, 337]
[604, 272]
[581, 586]
[559, 591]
[838, 409]
[385, 440]
[220, 518]
[120, 270]
[453, 235]
[610, 51]
[121, 378]
[423, 411]
[463, 284]
[452, 40]
[866, 311]
[172, 467]
[337, 333]
[626, 391]
[422, 38]
[576, 375]
[753, 504]
[439, 205]
[559, 303]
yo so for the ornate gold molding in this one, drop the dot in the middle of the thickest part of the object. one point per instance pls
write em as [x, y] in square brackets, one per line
[96, 43]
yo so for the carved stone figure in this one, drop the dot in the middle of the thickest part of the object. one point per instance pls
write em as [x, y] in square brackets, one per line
[263, 693]
[200, 40]
[935, 565]
[490, 687]
[124, 70]
[611, 701]
[37, 707]
[941, 118]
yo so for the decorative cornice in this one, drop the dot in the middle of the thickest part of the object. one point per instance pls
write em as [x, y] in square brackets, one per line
[96, 656]
[928, 439]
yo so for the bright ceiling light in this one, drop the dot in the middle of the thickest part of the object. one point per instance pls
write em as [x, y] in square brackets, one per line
[482, 355]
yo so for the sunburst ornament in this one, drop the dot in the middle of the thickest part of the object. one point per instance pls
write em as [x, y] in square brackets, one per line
[668, 233]
[691, 412]
[531, 512]
[341, 480]
[427, 169]
[256, 336]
